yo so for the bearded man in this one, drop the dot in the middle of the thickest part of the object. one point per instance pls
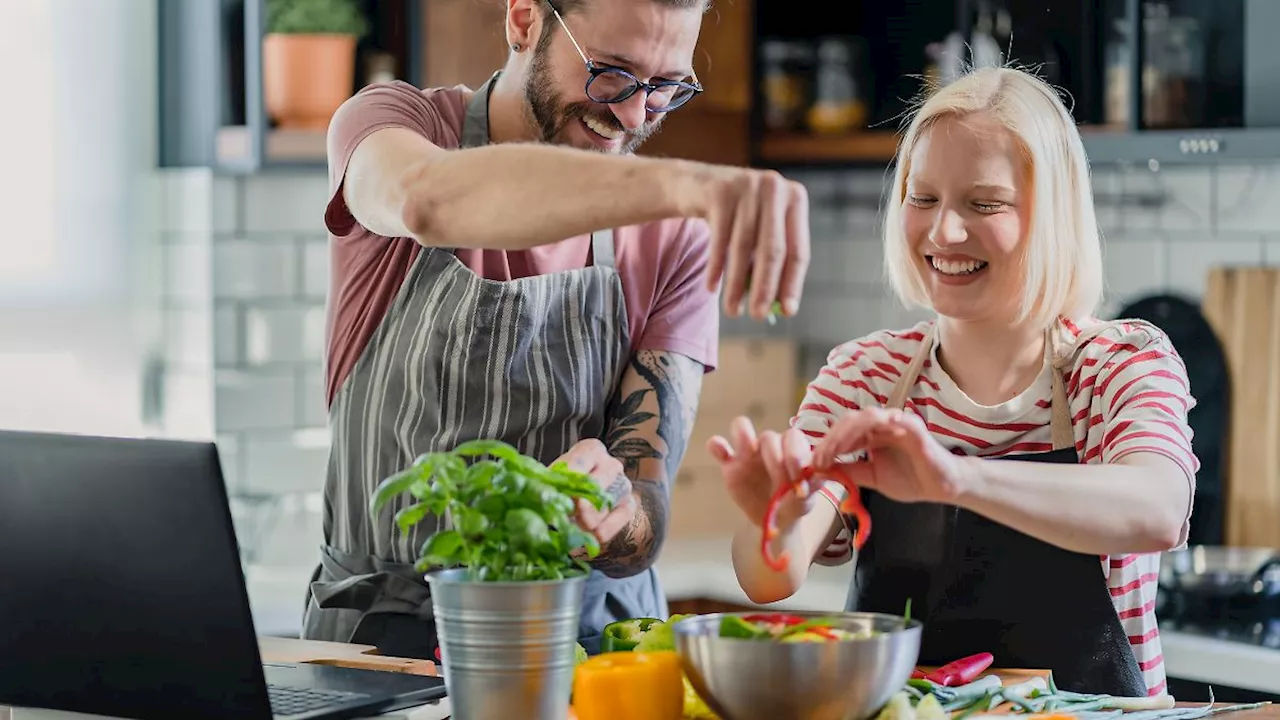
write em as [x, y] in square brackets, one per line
[504, 266]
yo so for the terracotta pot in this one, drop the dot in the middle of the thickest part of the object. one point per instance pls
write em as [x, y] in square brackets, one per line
[306, 77]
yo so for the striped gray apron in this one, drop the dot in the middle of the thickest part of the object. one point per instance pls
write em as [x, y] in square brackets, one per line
[533, 362]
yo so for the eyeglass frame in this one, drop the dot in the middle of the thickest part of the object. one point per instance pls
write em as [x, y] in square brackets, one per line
[596, 71]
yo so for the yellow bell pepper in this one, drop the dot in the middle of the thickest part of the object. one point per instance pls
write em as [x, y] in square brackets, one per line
[629, 686]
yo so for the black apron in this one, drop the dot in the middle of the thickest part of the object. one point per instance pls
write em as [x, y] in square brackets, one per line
[979, 586]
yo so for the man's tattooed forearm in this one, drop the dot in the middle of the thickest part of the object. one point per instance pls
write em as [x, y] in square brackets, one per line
[649, 433]
[634, 549]
[671, 382]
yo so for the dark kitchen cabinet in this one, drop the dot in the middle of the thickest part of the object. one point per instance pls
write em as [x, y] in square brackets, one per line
[835, 88]
[792, 82]
[1210, 82]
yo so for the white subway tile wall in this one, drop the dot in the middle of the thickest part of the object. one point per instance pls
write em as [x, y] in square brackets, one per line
[288, 202]
[255, 268]
[266, 271]
[249, 275]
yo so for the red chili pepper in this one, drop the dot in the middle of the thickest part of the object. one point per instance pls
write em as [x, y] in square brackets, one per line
[917, 675]
[852, 505]
[962, 671]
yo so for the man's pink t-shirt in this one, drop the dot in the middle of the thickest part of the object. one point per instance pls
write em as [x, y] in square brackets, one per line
[661, 264]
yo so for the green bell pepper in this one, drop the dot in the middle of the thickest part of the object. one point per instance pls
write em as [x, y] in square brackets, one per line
[624, 635]
[732, 626]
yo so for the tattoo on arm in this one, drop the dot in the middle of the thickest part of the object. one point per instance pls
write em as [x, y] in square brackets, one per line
[618, 488]
[648, 431]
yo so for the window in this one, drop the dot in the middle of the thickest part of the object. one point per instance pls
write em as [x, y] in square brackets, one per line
[27, 200]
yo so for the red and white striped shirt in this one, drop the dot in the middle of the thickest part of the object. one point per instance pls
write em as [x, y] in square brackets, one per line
[1128, 392]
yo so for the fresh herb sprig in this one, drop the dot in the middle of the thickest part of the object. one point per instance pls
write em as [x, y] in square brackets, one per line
[512, 516]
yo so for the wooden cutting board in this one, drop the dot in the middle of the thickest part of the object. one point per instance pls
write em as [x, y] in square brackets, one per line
[1243, 306]
[363, 657]
[1008, 676]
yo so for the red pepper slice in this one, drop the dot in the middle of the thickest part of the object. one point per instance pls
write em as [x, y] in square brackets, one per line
[774, 619]
[962, 671]
[770, 528]
[852, 505]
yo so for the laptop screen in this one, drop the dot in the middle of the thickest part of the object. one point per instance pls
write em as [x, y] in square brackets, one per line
[121, 590]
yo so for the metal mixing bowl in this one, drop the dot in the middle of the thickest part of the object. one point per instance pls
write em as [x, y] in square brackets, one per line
[768, 680]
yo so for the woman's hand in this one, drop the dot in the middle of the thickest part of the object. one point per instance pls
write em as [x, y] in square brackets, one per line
[903, 460]
[755, 467]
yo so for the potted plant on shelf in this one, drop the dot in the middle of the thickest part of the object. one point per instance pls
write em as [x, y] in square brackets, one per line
[506, 573]
[309, 60]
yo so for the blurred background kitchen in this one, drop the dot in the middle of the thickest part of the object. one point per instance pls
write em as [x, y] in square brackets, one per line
[164, 267]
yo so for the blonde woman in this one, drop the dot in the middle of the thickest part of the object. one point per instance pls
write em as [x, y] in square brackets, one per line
[1049, 557]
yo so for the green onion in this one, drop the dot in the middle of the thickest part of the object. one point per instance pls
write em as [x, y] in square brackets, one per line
[977, 688]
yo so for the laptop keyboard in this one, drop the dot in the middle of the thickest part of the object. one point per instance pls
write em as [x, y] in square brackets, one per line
[287, 701]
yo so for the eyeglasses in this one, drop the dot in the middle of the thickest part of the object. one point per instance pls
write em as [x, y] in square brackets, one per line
[613, 85]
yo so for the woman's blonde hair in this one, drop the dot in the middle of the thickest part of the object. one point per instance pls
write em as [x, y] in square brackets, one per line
[1063, 257]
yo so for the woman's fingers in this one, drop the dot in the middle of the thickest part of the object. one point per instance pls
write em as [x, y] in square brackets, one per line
[771, 454]
[743, 435]
[797, 454]
[720, 449]
[846, 435]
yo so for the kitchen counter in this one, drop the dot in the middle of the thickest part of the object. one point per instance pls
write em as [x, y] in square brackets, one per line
[690, 570]
[701, 569]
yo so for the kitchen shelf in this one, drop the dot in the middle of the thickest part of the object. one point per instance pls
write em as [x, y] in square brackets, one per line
[211, 96]
[858, 147]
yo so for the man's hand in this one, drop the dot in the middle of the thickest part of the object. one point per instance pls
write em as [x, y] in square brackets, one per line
[591, 457]
[759, 237]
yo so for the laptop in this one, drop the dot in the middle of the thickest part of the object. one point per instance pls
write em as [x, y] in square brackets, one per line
[122, 593]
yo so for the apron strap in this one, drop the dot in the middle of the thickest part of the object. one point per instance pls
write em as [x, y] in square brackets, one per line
[1060, 426]
[1060, 409]
[898, 396]
[475, 124]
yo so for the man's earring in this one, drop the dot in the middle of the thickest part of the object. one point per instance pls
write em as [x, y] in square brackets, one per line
[515, 46]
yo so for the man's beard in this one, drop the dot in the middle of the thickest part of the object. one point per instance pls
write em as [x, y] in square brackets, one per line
[552, 116]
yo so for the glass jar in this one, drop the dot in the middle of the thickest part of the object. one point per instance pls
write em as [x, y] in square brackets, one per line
[786, 83]
[838, 104]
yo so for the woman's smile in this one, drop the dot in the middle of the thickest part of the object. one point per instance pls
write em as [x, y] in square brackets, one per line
[956, 269]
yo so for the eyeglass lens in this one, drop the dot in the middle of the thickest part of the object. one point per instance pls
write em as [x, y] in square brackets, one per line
[611, 85]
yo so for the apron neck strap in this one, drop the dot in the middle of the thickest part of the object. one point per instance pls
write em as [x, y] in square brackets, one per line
[898, 397]
[1059, 411]
[475, 133]
[475, 124]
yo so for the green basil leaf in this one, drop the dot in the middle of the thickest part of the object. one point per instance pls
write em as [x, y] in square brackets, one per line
[392, 488]
[469, 522]
[443, 548]
[412, 515]
[527, 528]
[496, 448]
